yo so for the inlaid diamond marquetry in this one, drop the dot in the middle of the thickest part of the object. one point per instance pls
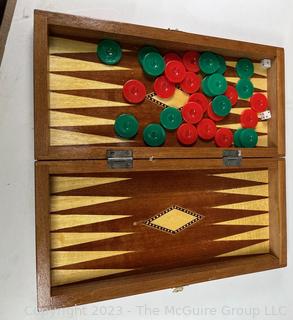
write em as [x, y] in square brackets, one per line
[173, 219]
[178, 99]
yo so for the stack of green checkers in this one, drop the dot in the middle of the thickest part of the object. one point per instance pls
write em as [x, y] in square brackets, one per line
[154, 134]
[221, 105]
[215, 84]
[244, 70]
[152, 62]
[210, 62]
[245, 138]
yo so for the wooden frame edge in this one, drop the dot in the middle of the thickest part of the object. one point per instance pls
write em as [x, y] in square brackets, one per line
[125, 29]
[42, 234]
[282, 212]
[281, 101]
[95, 153]
[41, 111]
[159, 281]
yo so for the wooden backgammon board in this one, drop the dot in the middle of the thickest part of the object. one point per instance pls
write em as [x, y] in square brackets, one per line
[162, 208]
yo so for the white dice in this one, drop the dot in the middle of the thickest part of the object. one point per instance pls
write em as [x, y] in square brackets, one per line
[266, 63]
[265, 115]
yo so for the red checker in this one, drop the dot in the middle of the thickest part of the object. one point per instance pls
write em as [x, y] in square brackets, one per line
[163, 87]
[134, 91]
[187, 134]
[170, 56]
[224, 138]
[212, 115]
[192, 112]
[190, 60]
[232, 94]
[259, 102]
[206, 129]
[191, 82]
[175, 71]
[248, 118]
[201, 99]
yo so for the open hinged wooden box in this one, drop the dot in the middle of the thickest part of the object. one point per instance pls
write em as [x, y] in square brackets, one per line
[164, 217]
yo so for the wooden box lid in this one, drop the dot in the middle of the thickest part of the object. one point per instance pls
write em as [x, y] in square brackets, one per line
[77, 98]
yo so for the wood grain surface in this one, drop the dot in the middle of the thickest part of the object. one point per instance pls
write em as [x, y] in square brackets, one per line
[197, 215]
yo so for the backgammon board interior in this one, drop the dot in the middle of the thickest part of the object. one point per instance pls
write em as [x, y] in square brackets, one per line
[78, 98]
[179, 215]
[107, 224]
[86, 97]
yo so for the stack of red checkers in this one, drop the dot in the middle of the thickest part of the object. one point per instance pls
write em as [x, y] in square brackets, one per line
[190, 60]
[212, 115]
[232, 94]
[171, 56]
[201, 99]
[183, 71]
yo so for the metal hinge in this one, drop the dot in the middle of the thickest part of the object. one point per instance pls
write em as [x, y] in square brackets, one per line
[177, 289]
[232, 158]
[120, 159]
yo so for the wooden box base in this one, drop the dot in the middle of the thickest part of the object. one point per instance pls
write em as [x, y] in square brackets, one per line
[166, 223]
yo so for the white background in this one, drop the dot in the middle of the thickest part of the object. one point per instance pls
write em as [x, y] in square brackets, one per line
[255, 296]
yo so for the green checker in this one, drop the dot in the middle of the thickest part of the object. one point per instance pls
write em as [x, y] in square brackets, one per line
[217, 84]
[248, 138]
[154, 135]
[223, 67]
[126, 126]
[244, 68]
[221, 106]
[170, 118]
[244, 88]
[209, 62]
[153, 64]
[145, 50]
[237, 142]
[109, 51]
[205, 88]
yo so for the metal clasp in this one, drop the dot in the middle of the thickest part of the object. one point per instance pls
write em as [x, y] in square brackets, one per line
[232, 158]
[120, 159]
